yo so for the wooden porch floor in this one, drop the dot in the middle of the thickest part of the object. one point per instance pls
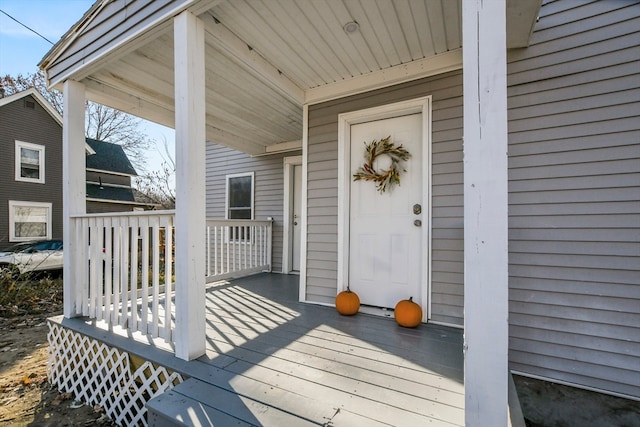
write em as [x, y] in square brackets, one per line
[273, 361]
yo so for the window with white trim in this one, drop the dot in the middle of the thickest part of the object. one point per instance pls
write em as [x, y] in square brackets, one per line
[239, 203]
[240, 196]
[29, 221]
[29, 162]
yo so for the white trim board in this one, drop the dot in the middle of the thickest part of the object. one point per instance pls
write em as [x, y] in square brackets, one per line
[302, 297]
[438, 64]
[289, 163]
[419, 105]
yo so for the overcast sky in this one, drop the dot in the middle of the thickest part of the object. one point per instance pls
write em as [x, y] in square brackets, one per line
[21, 49]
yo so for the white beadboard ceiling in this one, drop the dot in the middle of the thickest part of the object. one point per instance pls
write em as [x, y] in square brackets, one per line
[266, 58]
[306, 40]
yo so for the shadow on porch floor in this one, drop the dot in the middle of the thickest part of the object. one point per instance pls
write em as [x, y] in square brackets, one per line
[275, 361]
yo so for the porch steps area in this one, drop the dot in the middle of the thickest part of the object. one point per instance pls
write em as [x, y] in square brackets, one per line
[195, 403]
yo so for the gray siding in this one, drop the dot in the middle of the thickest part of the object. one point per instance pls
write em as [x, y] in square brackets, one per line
[36, 126]
[574, 196]
[447, 232]
[268, 192]
[108, 178]
[118, 20]
[106, 207]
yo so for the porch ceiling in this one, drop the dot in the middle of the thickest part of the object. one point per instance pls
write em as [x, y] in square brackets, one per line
[265, 59]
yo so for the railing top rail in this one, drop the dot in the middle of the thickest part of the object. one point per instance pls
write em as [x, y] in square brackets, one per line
[125, 214]
[238, 222]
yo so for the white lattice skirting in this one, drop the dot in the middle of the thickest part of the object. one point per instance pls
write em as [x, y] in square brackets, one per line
[97, 374]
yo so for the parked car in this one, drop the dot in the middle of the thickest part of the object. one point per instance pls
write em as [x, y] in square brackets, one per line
[34, 256]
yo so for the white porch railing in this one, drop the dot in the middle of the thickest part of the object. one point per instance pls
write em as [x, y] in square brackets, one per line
[237, 248]
[126, 261]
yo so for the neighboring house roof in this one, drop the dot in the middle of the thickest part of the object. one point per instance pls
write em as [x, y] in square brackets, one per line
[109, 157]
[107, 192]
[38, 97]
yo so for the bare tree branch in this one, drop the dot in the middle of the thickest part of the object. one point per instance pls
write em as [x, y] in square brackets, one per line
[158, 186]
[106, 124]
[10, 85]
[102, 123]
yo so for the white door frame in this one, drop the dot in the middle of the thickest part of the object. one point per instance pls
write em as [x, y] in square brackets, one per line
[345, 120]
[289, 163]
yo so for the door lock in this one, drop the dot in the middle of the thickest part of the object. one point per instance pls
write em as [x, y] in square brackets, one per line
[417, 209]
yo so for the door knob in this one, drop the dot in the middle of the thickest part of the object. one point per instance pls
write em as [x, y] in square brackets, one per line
[417, 209]
[295, 222]
[417, 223]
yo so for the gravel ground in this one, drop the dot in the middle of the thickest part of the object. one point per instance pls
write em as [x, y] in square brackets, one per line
[545, 404]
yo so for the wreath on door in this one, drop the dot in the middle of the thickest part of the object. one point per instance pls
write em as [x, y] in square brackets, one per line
[386, 178]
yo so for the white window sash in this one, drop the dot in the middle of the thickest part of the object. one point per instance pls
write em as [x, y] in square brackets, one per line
[40, 149]
[17, 215]
[227, 192]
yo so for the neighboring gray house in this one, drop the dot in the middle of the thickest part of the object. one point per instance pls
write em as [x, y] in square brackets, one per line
[109, 174]
[31, 195]
[517, 217]
[31, 165]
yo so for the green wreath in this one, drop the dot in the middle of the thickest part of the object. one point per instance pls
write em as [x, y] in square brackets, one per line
[385, 178]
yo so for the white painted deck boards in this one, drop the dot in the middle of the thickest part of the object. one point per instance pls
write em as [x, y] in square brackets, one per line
[272, 361]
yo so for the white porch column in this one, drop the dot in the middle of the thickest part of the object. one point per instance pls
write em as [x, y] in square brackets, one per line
[485, 213]
[190, 186]
[73, 191]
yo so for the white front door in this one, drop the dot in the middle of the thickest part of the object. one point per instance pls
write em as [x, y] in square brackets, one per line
[297, 217]
[385, 229]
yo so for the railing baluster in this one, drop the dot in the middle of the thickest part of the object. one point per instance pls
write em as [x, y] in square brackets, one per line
[243, 247]
[215, 245]
[255, 246]
[93, 269]
[144, 266]
[168, 284]
[155, 268]
[207, 251]
[117, 280]
[82, 242]
[228, 244]
[108, 272]
[133, 297]
[99, 267]
[124, 273]
[259, 248]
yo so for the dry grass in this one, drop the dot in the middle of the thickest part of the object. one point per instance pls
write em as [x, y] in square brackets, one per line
[30, 295]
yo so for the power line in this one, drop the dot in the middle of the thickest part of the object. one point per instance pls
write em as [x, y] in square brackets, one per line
[30, 29]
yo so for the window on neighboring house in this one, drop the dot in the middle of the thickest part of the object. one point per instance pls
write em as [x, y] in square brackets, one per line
[239, 201]
[29, 162]
[29, 221]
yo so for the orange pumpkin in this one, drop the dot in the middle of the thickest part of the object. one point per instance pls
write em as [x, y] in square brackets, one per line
[408, 313]
[347, 302]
